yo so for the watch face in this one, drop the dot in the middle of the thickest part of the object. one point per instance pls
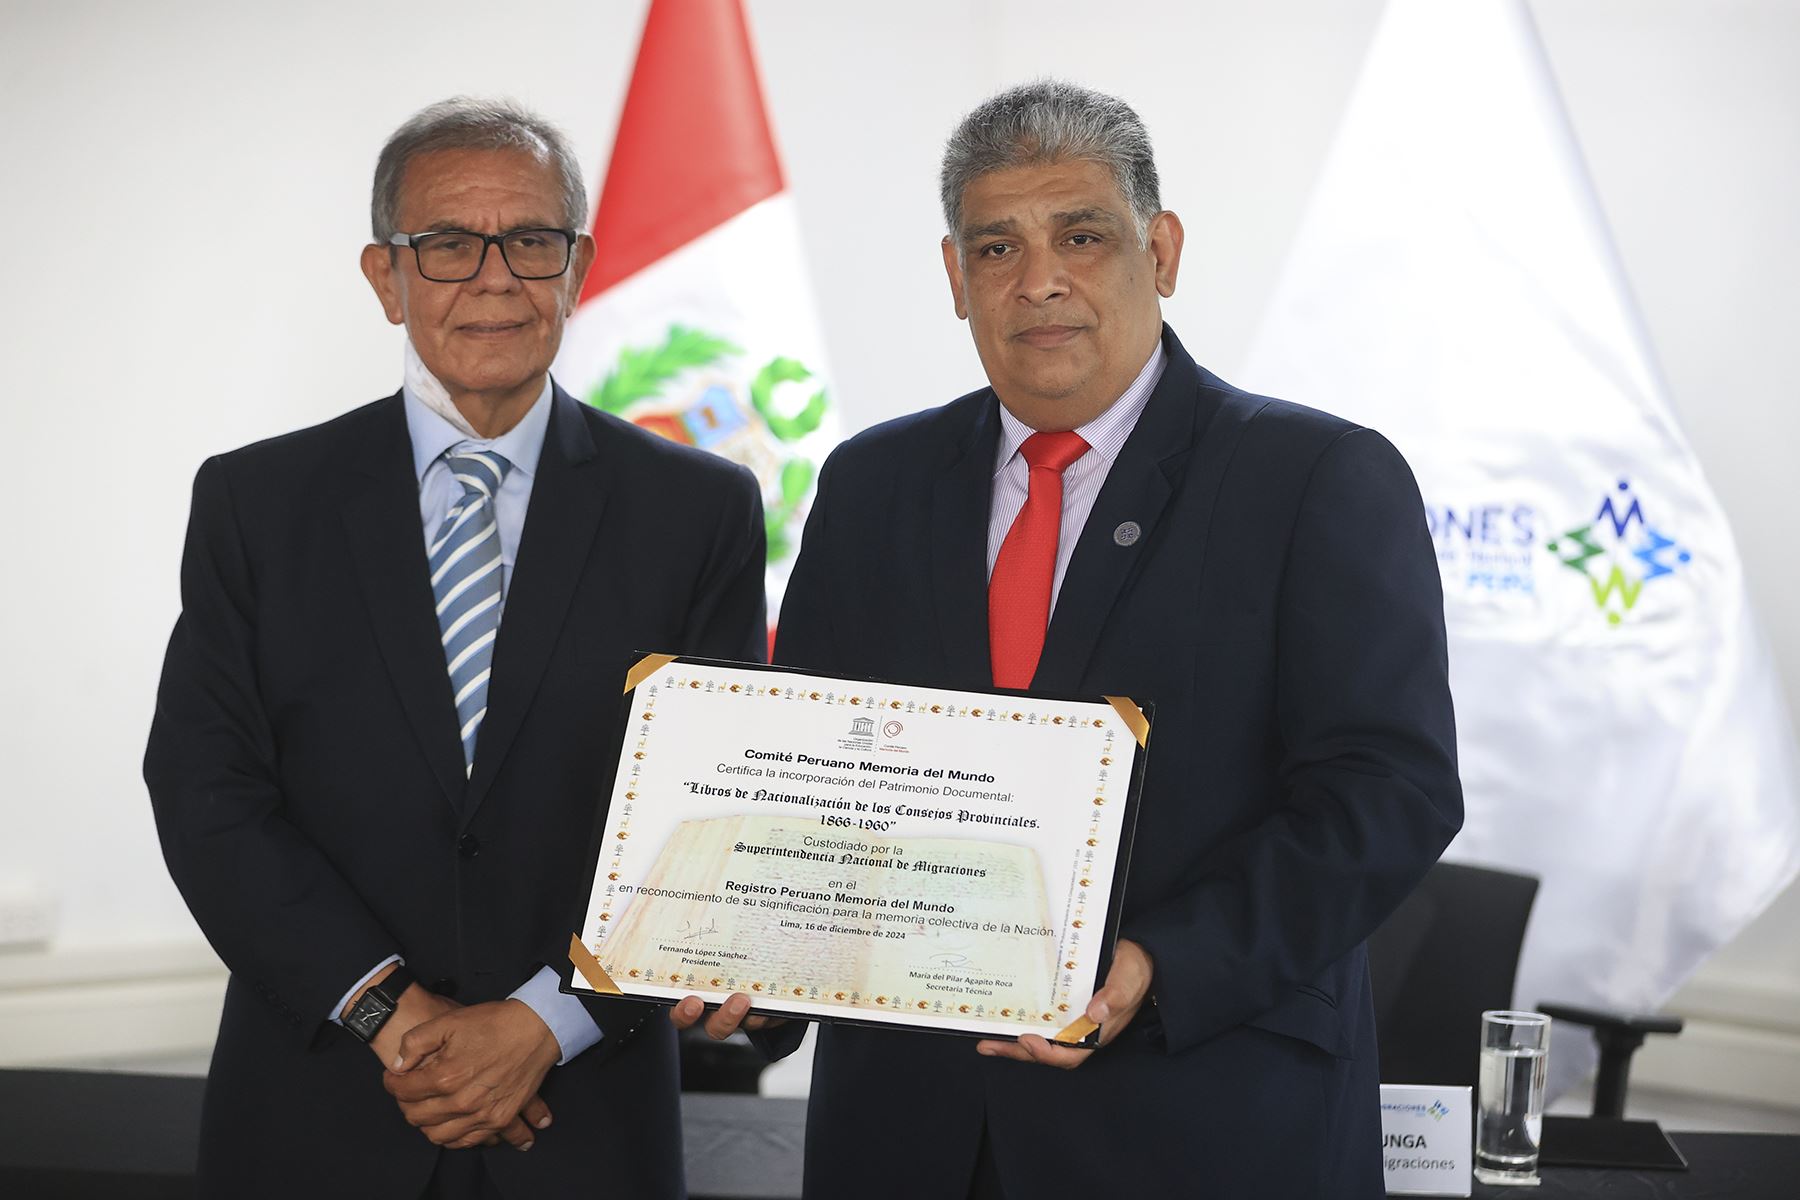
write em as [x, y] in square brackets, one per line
[369, 1015]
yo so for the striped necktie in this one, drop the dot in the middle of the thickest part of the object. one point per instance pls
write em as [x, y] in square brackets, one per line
[465, 579]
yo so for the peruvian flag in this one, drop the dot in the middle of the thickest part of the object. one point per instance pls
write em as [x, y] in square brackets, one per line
[696, 320]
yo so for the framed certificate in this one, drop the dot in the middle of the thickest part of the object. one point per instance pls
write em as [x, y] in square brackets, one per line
[865, 852]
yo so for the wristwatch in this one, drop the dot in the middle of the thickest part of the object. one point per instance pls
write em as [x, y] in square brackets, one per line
[378, 1003]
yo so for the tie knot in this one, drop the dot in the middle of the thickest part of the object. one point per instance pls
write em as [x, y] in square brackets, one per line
[479, 471]
[1053, 451]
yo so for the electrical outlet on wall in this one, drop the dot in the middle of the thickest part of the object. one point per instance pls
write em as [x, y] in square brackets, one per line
[27, 912]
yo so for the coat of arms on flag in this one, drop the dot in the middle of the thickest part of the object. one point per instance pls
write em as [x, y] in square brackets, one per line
[691, 388]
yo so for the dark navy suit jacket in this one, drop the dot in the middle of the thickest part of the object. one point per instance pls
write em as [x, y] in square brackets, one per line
[311, 797]
[1282, 609]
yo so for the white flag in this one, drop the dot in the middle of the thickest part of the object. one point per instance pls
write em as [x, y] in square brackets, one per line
[1621, 729]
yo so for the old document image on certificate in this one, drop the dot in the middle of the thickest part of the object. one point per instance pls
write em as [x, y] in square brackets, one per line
[847, 850]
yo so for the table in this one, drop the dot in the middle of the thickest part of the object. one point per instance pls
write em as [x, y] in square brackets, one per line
[82, 1135]
[1721, 1166]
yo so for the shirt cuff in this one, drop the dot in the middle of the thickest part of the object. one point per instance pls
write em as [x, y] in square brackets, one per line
[337, 1013]
[566, 1016]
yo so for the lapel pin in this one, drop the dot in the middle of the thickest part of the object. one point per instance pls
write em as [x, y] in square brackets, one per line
[1127, 533]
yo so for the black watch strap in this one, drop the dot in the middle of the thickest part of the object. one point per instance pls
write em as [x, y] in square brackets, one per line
[377, 1003]
[396, 983]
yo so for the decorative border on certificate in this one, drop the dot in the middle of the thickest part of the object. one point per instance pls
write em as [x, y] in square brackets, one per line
[862, 851]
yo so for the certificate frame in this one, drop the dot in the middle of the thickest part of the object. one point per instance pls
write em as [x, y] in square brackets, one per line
[1126, 723]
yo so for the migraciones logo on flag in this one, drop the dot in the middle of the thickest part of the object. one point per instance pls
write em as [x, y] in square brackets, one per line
[1618, 552]
[696, 321]
[1621, 731]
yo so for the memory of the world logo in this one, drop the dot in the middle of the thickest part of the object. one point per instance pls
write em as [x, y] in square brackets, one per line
[694, 388]
[1620, 553]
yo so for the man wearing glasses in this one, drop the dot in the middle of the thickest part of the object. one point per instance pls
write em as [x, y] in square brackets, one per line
[389, 706]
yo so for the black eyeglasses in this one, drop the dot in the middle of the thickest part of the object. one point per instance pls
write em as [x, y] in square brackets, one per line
[456, 255]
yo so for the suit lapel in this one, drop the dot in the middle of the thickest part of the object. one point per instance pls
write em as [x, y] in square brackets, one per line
[387, 547]
[959, 505]
[566, 501]
[1146, 474]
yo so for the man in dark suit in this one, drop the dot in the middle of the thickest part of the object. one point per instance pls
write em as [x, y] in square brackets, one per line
[390, 706]
[1109, 518]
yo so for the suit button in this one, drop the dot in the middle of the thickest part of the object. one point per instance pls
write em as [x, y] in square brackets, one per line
[444, 987]
[469, 846]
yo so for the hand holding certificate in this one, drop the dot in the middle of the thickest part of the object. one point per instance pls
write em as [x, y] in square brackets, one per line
[856, 851]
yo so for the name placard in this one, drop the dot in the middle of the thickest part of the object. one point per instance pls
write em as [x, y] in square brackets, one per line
[1427, 1143]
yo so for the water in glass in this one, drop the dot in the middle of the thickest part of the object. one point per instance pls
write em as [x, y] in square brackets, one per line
[1510, 1113]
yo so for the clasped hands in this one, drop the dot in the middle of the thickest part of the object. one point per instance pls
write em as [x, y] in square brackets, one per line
[470, 1076]
[1112, 1008]
[467, 1076]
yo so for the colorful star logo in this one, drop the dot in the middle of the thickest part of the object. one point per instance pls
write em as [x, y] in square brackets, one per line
[1619, 552]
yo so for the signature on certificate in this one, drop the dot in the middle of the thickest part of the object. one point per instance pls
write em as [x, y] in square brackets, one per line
[687, 931]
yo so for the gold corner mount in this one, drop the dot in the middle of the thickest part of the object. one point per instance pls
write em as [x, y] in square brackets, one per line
[647, 666]
[1133, 716]
[590, 968]
[1072, 1033]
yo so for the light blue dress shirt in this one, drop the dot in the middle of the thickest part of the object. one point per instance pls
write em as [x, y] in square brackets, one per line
[522, 445]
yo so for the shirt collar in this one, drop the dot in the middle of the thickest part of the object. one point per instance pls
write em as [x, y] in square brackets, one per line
[433, 434]
[1106, 433]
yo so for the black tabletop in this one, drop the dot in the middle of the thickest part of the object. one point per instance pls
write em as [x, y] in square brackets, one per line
[72, 1135]
[84, 1135]
[1721, 1166]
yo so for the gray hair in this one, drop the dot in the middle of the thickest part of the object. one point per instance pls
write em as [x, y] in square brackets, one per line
[466, 123]
[1045, 121]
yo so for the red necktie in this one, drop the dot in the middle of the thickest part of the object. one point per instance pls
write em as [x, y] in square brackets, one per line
[1019, 589]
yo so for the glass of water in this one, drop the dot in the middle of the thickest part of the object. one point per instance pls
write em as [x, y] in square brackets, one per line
[1509, 1109]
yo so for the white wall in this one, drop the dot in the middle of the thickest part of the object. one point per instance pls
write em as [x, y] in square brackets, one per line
[185, 197]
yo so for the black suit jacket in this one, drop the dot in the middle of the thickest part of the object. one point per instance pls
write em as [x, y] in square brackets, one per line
[311, 797]
[1282, 609]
